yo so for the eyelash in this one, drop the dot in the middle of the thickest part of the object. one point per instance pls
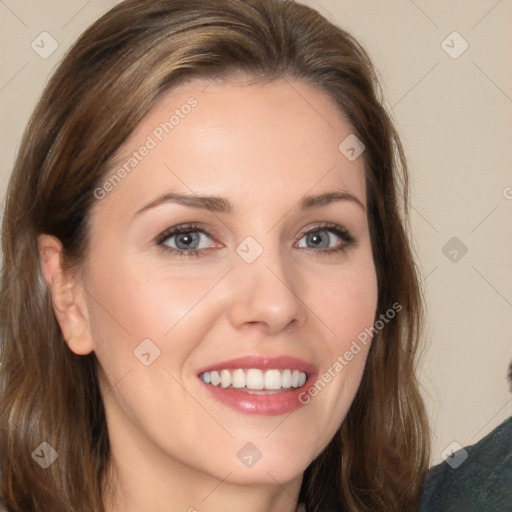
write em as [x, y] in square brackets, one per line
[339, 231]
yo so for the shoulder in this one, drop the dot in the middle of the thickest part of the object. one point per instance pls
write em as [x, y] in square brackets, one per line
[482, 482]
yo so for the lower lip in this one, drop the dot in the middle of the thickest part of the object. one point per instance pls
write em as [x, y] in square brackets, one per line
[266, 405]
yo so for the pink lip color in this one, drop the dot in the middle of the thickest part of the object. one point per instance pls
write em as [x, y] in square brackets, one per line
[267, 405]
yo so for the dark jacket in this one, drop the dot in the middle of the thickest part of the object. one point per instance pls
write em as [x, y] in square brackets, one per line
[481, 483]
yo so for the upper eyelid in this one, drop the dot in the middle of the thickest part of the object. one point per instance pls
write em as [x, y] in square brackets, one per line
[181, 228]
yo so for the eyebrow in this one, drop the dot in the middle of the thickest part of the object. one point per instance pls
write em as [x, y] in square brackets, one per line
[222, 205]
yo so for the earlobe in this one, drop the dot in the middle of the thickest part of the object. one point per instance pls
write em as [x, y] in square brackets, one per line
[67, 295]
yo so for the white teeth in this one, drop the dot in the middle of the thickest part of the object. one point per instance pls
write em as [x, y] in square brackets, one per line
[225, 378]
[286, 379]
[273, 379]
[239, 379]
[295, 379]
[256, 379]
[215, 378]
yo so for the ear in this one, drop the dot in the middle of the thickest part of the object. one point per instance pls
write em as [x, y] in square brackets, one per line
[68, 296]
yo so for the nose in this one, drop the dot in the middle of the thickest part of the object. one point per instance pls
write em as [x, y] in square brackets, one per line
[266, 293]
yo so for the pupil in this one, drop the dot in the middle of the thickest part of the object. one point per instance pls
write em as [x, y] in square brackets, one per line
[318, 240]
[185, 240]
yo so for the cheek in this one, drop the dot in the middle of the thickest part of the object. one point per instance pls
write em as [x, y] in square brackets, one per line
[130, 303]
[347, 308]
[346, 301]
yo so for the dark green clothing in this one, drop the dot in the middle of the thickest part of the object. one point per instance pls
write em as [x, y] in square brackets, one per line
[482, 483]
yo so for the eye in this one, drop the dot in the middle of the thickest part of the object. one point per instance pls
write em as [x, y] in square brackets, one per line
[185, 240]
[327, 238]
[192, 240]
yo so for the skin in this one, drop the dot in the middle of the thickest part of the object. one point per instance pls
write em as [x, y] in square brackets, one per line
[262, 146]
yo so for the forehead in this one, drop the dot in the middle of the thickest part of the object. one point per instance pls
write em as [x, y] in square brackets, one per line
[258, 143]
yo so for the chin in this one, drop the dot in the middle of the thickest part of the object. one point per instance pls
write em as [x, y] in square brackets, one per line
[265, 466]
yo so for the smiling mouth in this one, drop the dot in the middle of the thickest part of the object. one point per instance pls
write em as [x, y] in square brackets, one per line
[256, 381]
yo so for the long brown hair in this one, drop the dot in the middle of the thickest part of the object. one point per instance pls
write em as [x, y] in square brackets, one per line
[105, 85]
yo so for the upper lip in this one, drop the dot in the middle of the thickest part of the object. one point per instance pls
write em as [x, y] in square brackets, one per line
[263, 363]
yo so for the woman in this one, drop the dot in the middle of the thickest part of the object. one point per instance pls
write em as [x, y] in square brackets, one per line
[208, 295]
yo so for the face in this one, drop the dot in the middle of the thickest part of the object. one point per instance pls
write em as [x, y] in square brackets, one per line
[230, 270]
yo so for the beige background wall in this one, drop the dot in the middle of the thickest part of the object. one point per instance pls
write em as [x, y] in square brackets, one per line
[453, 109]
